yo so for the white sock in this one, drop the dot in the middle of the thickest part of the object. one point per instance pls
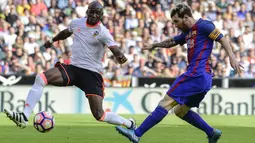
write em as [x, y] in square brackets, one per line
[113, 118]
[34, 94]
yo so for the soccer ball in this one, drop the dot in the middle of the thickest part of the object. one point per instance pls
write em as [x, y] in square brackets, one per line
[44, 122]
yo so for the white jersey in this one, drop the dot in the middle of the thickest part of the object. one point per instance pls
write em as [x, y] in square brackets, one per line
[89, 43]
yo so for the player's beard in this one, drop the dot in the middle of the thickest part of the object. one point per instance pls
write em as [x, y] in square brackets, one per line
[184, 28]
[93, 21]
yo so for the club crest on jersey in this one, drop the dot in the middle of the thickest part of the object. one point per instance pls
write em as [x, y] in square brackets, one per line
[191, 34]
[95, 33]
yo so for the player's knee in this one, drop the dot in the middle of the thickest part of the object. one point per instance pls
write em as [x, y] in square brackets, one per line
[178, 112]
[41, 79]
[162, 103]
[98, 114]
[165, 104]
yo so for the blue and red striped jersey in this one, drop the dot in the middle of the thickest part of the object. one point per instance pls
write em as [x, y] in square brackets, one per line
[199, 39]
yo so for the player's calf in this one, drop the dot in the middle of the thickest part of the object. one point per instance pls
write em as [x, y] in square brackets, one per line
[184, 112]
[98, 114]
[109, 117]
[35, 94]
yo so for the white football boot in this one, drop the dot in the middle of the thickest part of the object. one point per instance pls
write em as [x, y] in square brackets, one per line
[18, 118]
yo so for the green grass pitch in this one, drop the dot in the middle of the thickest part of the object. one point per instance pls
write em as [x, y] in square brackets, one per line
[84, 129]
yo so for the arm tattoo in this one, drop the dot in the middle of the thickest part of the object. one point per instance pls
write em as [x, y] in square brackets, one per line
[62, 35]
[165, 44]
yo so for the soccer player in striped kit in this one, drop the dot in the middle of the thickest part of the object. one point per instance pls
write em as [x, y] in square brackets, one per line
[190, 88]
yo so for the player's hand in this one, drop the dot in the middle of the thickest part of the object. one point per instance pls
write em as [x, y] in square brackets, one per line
[47, 44]
[147, 46]
[236, 66]
[121, 59]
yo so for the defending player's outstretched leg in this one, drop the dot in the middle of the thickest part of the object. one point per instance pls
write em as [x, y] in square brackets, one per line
[215, 137]
[18, 118]
[129, 133]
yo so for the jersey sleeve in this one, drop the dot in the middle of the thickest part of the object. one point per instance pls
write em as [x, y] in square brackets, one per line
[107, 38]
[180, 39]
[211, 31]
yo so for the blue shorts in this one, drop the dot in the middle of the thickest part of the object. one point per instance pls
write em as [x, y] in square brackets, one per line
[190, 90]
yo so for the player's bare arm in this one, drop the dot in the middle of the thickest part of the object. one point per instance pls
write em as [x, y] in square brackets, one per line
[62, 35]
[168, 43]
[117, 53]
[234, 63]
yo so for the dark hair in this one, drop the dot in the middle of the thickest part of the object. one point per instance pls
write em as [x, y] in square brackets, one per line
[181, 10]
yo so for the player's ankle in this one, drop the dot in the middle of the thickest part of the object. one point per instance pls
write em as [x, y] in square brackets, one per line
[210, 134]
[132, 124]
[137, 133]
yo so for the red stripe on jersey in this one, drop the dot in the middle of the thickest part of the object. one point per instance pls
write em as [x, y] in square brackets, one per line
[192, 49]
[191, 52]
[199, 57]
[207, 66]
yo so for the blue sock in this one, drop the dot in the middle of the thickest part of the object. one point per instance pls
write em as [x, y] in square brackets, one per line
[195, 120]
[155, 117]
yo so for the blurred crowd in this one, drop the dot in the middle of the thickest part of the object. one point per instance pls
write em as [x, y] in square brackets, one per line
[26, 24]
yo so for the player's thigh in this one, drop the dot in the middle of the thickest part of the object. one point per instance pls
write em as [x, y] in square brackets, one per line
[90, 82]
[167, 102]
[96, 103]
[54, 76]
[181, 110]
[60, 75]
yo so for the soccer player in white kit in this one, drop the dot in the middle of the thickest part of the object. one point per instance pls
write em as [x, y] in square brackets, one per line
[90, 39]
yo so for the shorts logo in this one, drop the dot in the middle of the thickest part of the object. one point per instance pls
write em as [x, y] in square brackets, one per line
[95, 33]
